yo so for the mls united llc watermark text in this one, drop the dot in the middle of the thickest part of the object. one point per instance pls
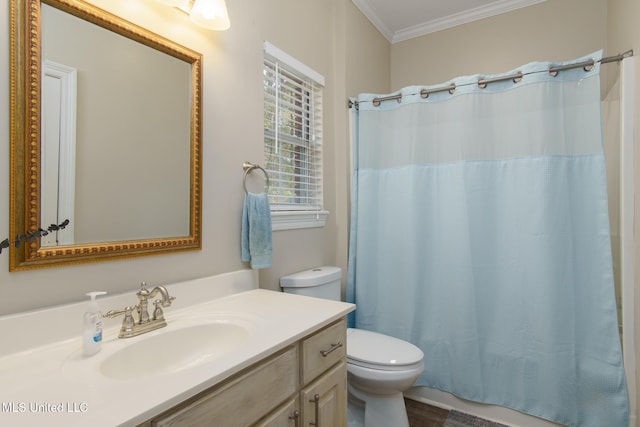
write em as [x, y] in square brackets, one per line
[44, 407]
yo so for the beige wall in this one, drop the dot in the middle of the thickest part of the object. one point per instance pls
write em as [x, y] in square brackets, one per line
[327, 35]
[548, 31]
[367, 59]
[348, 39]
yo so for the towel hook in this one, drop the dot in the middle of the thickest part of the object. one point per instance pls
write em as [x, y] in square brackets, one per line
[248, 167]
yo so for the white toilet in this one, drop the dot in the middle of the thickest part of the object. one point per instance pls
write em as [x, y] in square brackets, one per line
[379, 367]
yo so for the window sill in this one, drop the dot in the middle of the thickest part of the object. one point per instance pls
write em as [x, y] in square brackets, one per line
[291, 220]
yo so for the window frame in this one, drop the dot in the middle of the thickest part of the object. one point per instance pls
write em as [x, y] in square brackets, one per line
[282, 218]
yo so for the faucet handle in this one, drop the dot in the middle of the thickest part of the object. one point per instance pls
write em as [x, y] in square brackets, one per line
[158, 314]
[127, 323]
[126, 311]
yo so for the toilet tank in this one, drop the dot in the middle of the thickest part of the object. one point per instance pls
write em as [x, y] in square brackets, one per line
[321, 282]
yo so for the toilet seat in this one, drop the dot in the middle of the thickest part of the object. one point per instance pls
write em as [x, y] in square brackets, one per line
[377, 351]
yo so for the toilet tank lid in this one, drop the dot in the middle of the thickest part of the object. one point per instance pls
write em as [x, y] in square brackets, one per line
[314, 277]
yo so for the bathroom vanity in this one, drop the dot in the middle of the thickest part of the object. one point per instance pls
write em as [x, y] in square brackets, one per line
[300, 385]
[231, 355]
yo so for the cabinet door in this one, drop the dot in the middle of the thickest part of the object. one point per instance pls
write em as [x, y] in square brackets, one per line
[286, 415]
[324, 402]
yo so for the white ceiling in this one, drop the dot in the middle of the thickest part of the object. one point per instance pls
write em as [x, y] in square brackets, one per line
[400, 20]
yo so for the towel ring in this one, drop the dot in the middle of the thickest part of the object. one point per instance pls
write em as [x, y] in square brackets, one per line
[248, 168]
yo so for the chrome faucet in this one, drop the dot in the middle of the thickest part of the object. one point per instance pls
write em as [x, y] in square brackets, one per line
[131, 328]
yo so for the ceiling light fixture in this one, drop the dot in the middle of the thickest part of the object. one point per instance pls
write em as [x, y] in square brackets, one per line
[210, 14]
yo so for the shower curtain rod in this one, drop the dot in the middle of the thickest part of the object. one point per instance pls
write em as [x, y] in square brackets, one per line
[516, 77]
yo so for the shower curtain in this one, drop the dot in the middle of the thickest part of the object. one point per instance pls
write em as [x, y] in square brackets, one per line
[480, 233]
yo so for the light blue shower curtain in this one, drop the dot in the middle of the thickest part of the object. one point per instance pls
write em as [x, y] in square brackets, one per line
[480, 233]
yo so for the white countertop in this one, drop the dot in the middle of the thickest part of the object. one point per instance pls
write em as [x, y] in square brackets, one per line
[54, 385]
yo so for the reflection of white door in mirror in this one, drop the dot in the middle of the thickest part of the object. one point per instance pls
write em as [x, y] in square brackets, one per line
[58, 151]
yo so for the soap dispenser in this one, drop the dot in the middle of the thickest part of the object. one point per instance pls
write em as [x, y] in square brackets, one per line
[92, 326]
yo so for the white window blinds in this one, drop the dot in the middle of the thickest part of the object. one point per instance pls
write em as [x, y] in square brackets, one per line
[292, 133]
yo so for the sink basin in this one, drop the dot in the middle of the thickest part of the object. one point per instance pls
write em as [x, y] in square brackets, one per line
[175, 350]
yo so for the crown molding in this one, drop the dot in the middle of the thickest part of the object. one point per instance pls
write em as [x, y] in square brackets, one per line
[495, 8]
[373, 17]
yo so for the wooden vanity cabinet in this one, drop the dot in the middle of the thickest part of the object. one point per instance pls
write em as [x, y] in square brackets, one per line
[302, 385]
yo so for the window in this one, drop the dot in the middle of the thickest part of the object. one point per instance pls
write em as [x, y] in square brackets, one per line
[293, 140]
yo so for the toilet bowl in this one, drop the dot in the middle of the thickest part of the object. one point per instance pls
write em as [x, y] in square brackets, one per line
[379, 367]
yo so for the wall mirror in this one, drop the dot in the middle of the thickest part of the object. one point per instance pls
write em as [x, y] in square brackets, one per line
[105, 132]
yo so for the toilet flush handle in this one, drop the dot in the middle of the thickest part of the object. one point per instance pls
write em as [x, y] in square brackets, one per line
[333, 348]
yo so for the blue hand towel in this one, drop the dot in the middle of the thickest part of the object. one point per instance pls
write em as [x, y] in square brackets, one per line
[256, 230]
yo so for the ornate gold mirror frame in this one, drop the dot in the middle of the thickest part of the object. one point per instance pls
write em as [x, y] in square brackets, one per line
[25, 99]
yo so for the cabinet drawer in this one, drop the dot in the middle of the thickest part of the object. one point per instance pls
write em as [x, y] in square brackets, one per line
[243, 400]
[323, 350]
